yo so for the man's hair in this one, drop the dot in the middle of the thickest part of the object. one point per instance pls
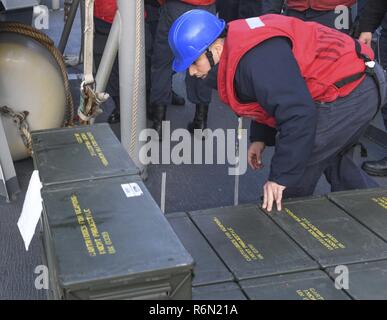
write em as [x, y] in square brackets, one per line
[224, 33]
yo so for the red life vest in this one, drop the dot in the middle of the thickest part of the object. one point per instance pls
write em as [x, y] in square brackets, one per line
[105, 10]
[199, 2]
[325, 56]
[320, 5]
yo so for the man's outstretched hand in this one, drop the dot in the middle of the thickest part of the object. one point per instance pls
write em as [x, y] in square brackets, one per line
[272, 192]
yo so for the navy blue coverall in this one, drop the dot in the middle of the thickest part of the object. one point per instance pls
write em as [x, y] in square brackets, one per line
[326, 18]
[238, 9]
[311, 138]
[161, 70]
[373, 15]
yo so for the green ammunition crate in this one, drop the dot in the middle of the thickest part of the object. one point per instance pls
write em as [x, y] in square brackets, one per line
[310, 285]
[249, 243]
[366, 281]
[208, 267]
[107, 239]
[220, 291]
[327, 233]
[369, 207]
[82, 153]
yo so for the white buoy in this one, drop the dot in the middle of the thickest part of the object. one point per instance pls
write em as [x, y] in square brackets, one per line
[30, 80]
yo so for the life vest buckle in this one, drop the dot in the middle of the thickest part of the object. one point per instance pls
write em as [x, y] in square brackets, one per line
[370, 64]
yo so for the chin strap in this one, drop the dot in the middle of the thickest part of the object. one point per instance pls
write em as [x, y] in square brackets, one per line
[210, 57]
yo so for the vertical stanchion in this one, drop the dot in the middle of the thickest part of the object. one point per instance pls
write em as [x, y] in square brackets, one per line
[132, 78]
[108, 57]
[163, 191]
[8, 180]
[237, 152]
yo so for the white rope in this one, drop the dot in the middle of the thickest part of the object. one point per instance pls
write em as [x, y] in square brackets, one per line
[89, 42]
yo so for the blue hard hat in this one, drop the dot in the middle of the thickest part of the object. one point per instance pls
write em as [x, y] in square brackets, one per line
[191, 34]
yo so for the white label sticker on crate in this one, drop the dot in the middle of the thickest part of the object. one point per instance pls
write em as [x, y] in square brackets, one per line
[132, 190]
[32, 209]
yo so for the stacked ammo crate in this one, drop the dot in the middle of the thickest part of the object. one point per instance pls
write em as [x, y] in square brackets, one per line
[307, 251]
[104, 236]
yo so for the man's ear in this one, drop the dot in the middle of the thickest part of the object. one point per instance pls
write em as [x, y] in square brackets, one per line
[218, 48]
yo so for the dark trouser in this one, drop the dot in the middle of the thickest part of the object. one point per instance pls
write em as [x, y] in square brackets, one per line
[382, 53]
[151, 22]
[102, 30]
[340, 126]
[228, 9]
[383, 43]
[161, 74]
[101, 35]
[249, 8]
[327, 18]
[238, 9]
[22, 16]
[360, 5]
[384, 112]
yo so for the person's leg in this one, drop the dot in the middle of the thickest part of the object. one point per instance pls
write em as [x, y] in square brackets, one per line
[308, 182]
[161, 74]
[102, 30]
[296, 14]
[151, 22]
[339, 122]
[341, 172]
[383, 43]
[148, 56]
[344, 174]
[113, 88]
[161, 70]
[340, 21]
[249, 9]
[379, 167]
[228, 9]
[340, 126]
[199, 93]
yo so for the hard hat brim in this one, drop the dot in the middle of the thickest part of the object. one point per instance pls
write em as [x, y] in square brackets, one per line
[181, 66]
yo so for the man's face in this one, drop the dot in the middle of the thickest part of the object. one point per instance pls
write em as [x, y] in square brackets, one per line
[200, 68]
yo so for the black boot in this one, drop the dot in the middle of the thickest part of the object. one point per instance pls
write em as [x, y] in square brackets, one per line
[159, 114]
[376, 168]
[149, 114]
[114, 116]
[200, 119]
[177, 100]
